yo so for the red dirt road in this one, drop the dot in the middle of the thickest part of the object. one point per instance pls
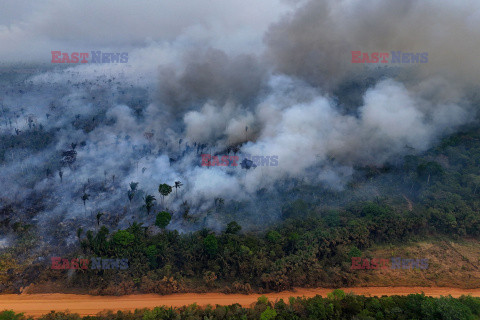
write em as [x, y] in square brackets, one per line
[39, 304]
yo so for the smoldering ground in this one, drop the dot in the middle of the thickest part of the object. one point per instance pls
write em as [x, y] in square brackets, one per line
[299, 97]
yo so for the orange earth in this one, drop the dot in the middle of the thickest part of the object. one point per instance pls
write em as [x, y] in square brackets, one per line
[39, 304]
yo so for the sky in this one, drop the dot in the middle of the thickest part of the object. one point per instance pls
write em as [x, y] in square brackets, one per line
[31, 29]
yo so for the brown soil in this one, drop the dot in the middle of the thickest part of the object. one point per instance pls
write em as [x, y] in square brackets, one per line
[39, 304]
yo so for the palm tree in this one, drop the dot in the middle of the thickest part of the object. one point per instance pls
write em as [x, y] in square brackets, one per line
[99, 215]
[79, 233]
[149, 199]
[85, 197]
[177, 185]
[131, 192]
[164, 189]
[219, 202]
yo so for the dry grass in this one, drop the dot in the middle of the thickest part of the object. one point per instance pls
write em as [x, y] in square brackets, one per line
[450, 264]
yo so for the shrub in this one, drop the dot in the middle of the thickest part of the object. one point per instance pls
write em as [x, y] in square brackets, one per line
[268, 314]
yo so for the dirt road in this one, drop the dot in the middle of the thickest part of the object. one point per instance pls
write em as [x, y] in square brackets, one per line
[38, 304]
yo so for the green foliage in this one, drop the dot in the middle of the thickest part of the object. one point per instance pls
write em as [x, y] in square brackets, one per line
[336, 294]
[160, 313]
[233, 228]
[210, 244]
[268, 314]
[446, 308]
[355, 252]
[60, 316]
[123, 238]
[164, 189]
[11, 315]
[430, 168]
[163, 219]
[79, 232]
[149, 202]
[298, 208]
[371, 209]
[273, 236]
[262, 300]
[152, 252]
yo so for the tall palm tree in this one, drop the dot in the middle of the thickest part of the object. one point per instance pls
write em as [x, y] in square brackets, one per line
[149, 199]
[85, 197]
[164, 189]
[177, 185]
[79, 233]
[99, 215]
[131, 192]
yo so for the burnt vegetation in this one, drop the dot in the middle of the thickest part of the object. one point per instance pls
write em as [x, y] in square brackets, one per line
[433, 195]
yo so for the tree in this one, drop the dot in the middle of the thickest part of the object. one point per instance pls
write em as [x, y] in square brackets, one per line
[268, 314]
[233, 228]
[428, 169]
[11, 315]
[219, 202]
[151, 252]
[177, 185]
[131, 192]
[336, 294]
[355, 252]
[164, 189]
[273, 236]
[149, 202]
[79, 232]
[123, 238]
[163, 219]
[85, 197]
[210, 244]
[209, 277]
[99, 215]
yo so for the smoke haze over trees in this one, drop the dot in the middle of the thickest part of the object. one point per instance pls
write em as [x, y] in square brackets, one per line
[73, 137]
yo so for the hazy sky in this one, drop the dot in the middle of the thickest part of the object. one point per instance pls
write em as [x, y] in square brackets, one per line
[29, 30]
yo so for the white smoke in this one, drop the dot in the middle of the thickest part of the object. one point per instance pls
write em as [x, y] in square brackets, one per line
[184, 93]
